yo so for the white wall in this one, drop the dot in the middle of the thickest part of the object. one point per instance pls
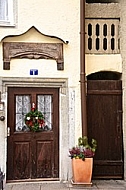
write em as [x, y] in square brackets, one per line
[59, 18]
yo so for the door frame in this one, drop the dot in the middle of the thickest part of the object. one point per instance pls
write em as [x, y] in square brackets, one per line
[27, 163]
[62, 84]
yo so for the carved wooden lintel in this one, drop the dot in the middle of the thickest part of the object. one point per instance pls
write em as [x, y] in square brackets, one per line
[32, 51]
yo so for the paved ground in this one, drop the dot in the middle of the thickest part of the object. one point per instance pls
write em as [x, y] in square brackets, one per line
[101, 185]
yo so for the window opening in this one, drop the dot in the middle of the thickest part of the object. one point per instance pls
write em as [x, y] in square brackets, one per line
[105, 44]
[102, 36]
[105, 36]
[44, 104]
[7, 12]
[89, 29]
[89, 43]
[97, 29]
[97, 36]
[112, 30]
[112, 34]
[112, 43]
[89, 38]
[97, 43]
[105, 30]
[23, 106]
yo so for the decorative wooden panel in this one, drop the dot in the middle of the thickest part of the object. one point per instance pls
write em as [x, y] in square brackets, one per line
[22, 160]
[32, 51]
[45, 157]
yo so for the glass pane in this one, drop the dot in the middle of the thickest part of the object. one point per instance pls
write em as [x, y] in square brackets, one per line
[44, 104]
[23, 106]
[3, 10]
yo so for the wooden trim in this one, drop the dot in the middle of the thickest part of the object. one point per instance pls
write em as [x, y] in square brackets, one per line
[32, 51]
[105, 92]
[33, 180]
[108, 162]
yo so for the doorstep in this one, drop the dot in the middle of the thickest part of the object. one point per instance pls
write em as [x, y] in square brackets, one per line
[96, 184]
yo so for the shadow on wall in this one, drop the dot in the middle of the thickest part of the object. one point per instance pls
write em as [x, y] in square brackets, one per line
[105, 75]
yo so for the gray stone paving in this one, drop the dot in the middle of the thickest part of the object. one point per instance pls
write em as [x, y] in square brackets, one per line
[101, 185]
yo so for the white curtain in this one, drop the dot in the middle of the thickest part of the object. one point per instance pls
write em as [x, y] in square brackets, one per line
[23, 106]
[45, 106]
[3, 10]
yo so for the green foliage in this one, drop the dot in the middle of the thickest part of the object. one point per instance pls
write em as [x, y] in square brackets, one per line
[83, 150]
[83, 141]
[34, 120]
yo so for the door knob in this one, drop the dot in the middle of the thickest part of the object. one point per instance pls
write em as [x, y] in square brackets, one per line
[2, 118]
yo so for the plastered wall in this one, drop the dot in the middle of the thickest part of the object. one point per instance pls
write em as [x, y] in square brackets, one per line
[61, 19]
[49, 18]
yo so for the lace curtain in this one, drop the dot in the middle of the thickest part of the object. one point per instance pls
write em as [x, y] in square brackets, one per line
[3, 10]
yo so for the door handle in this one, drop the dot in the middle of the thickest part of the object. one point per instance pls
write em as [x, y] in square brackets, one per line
[8, 131]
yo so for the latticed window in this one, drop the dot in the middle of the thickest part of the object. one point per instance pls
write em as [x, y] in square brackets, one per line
[102, 36]
[23, 106]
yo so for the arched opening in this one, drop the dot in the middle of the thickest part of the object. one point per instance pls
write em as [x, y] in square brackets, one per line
[104, 75]
[104, 123]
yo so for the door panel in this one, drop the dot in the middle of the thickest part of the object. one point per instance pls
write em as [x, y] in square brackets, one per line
[104, 110]
[21, 159]
[32, 155]
[44, 159]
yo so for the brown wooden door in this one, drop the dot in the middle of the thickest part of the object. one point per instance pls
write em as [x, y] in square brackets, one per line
[104, 110]
[32, 155]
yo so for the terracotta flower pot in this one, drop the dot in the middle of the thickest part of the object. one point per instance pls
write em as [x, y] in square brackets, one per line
[82, 170]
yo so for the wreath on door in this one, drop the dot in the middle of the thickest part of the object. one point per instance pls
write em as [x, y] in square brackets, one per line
[35, 120]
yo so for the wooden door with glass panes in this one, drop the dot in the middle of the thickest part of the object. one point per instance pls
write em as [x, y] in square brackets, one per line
[32, 154]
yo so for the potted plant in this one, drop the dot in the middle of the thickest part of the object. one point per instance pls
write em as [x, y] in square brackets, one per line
[82, 160]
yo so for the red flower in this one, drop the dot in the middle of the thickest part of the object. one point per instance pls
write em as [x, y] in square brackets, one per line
[42, 122]
[33, 109]
[31, 123]
[27, 122]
